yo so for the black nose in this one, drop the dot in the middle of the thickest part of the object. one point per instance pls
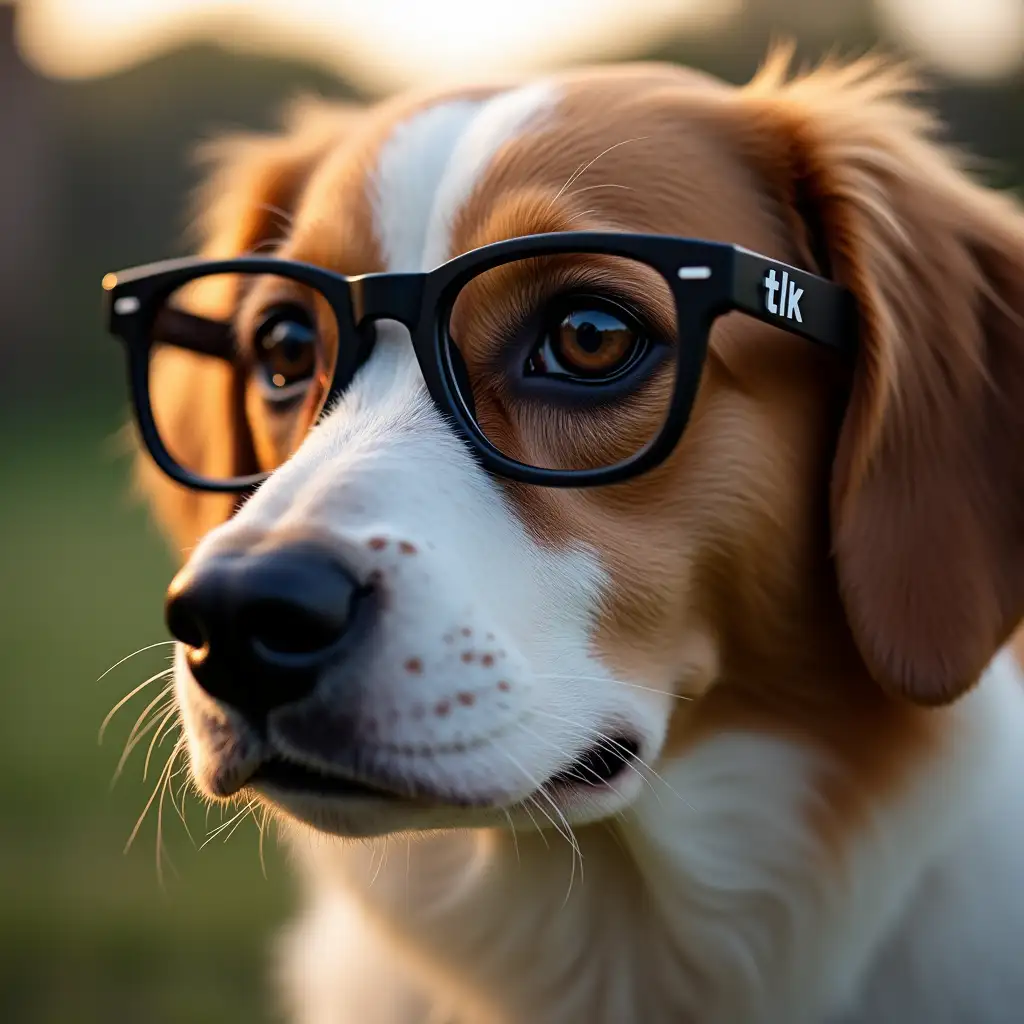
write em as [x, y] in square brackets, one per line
[262, 625]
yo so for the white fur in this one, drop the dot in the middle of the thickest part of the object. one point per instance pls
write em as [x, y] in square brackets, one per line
[709, 900]
[952, 952]
[498, 122]
[400, 201]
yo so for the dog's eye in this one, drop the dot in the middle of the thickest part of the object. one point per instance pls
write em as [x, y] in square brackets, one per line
[285, 351]
[591, 341]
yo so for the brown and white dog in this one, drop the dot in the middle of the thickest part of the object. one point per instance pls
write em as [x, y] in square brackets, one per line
[802, 620]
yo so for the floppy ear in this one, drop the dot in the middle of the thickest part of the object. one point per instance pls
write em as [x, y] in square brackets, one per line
[253, 185]
[927, 497]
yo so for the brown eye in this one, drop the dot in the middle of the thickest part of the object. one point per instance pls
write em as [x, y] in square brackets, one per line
[593, 341]
[285, 352]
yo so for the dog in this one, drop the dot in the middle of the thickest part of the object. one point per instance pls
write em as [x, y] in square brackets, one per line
[736, 740]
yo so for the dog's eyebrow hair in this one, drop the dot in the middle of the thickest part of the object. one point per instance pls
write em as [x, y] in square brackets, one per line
[195, 333]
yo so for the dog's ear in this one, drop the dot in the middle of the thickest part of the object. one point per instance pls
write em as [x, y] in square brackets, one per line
[927, 498]
[252, 185]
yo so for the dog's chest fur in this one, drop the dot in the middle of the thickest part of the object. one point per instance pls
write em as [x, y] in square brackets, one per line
[709, 902]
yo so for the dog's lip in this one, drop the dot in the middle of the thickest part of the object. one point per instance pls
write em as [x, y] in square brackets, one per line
[290, 776]
[594, 768]
[598, 765]
[279, 777]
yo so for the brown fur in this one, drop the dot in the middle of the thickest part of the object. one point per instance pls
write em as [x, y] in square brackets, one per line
[927, 491]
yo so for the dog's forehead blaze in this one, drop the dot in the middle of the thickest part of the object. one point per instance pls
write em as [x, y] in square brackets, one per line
[336, 225]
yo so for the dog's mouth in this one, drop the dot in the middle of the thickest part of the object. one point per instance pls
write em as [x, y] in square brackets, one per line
[297, 778]
[599, 765]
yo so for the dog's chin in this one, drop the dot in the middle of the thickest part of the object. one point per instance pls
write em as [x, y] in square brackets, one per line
[369, 816]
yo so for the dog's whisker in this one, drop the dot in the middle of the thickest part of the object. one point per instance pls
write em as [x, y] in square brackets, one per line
[531, 801]
[634, 764]
[570, 837]
[572, 676]
[602, 742]
[161, 855]
[573, 773]
[536, 825]
[630, 758]
[515, 837]
[127, 697]
[227, 824]
[583, 168]
[577, 853]
[607, 742]
[158, 717]
[178, 800]
[139, 736]
[588, 188]
[385, 850]
[578, 215]
[128, 657]
[149, 803]
[167, 724]
[251, 808]
[567, 834]
[572, 177]
[278, 212]
[224, 826]
[633, 760]
[161, 696]
[263, 824]
[537, 788]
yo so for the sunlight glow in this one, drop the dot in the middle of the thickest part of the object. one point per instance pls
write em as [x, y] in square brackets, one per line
[968, 38]
[382, 44]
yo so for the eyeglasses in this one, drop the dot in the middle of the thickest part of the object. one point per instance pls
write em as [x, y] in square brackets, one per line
[569, 359]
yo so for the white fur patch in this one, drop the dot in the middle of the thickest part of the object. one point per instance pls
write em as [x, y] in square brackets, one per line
[430, 165]
[498, 122]
[402, 202]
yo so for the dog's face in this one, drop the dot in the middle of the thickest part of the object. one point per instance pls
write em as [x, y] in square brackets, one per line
[533, 653]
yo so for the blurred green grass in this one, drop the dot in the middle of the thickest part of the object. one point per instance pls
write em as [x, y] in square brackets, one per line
[87, 934]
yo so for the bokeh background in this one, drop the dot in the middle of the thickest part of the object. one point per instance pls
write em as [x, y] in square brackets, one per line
[101, 103]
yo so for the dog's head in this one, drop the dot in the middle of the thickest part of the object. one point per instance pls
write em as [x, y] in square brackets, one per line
[832, 545]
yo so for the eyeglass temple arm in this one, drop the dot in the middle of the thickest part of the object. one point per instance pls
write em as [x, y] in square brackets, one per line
[799, 302]
[195, 333]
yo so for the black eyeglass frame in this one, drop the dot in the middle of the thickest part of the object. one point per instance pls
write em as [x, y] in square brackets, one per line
[707, 280]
